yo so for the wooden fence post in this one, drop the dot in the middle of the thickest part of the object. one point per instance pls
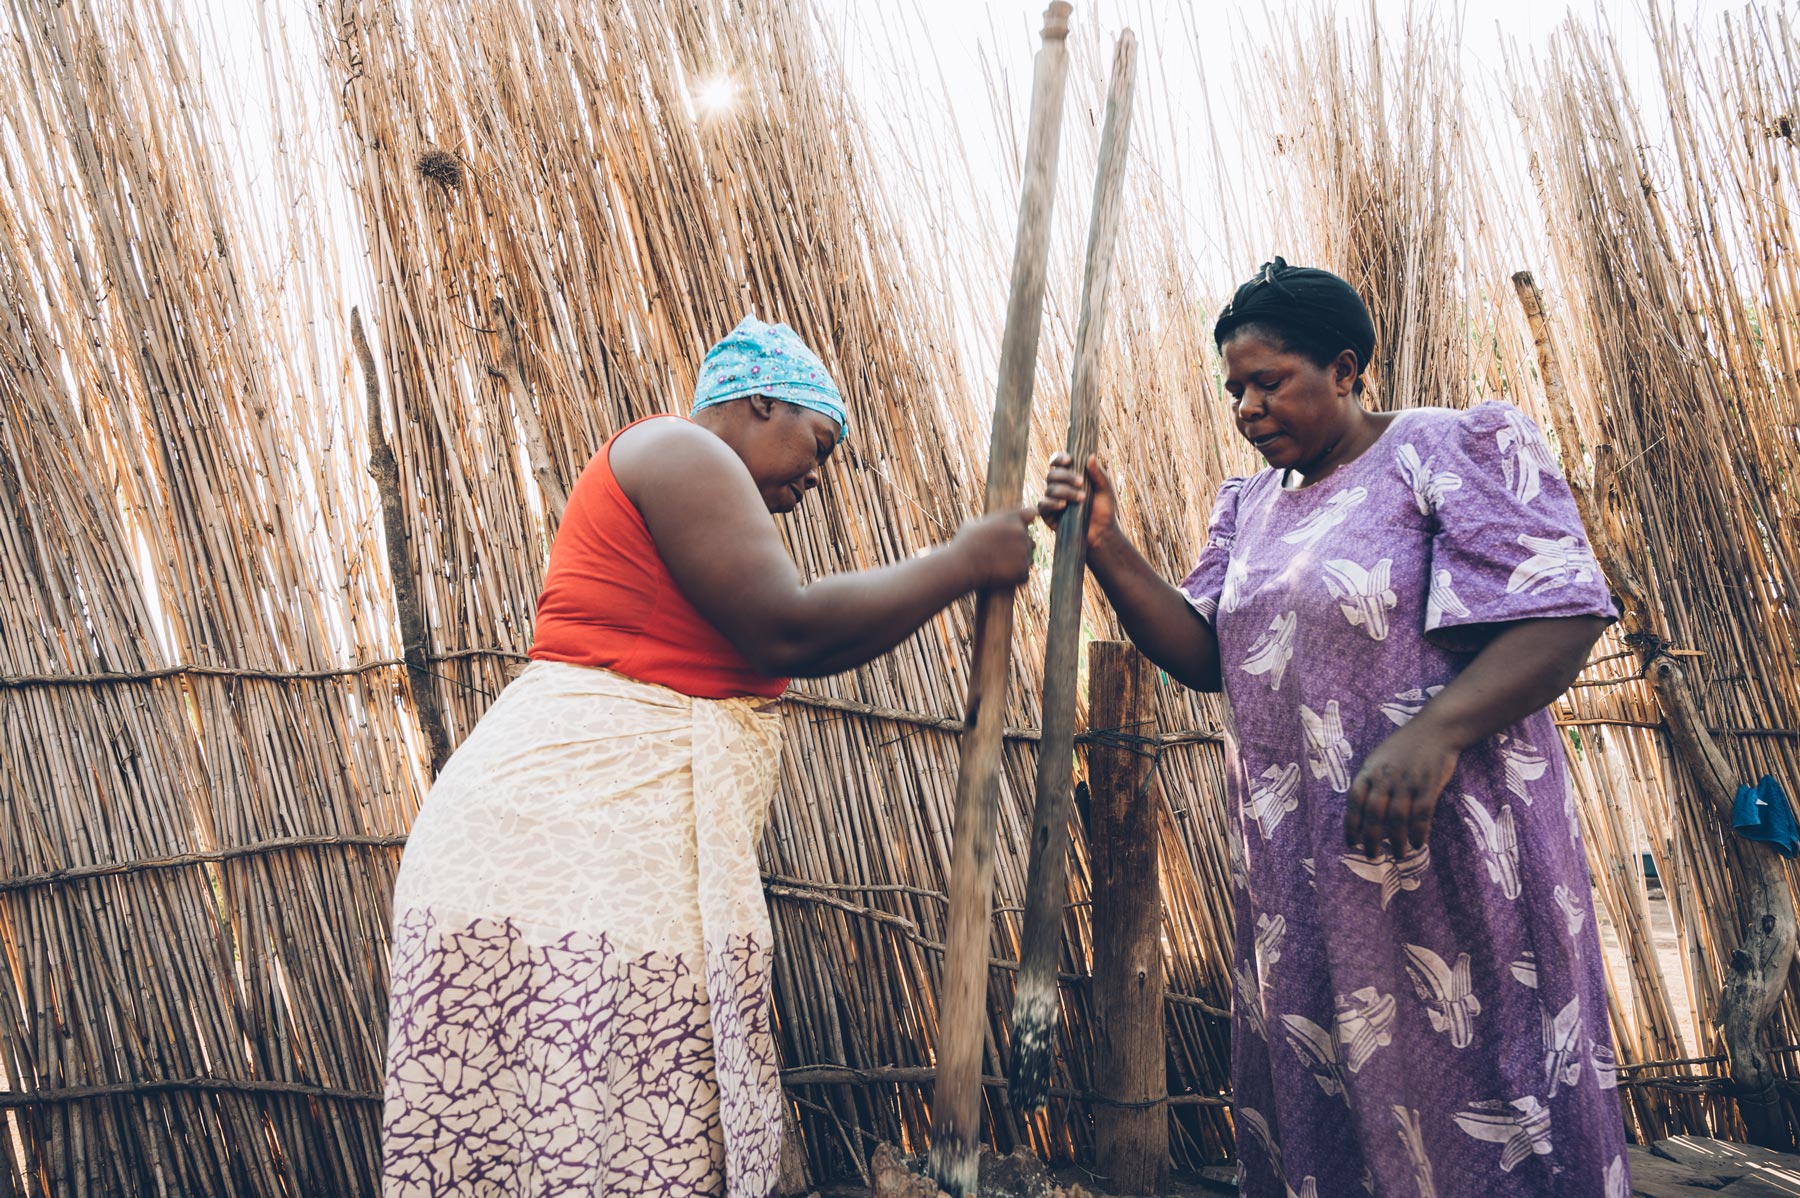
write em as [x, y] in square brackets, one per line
[1131, 1119]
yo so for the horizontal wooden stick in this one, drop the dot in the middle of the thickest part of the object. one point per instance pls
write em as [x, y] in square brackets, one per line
[1684, 1085]
[80, 873]
[233, 1085]
[804, 884]
[107, 677]
[802, 1075]
[880, 1075]
[873, 711]
[856, 887]
[1717, 1059]
[1204, 1007]
[1660, 726]
[944, 723]
[1668, 650]
[906, 925]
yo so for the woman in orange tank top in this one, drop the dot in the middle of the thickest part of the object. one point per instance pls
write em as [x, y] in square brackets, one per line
[581, 948]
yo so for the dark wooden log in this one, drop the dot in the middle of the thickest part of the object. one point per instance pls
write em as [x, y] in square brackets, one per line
[1035, 1003]
[409, 607]
[1131, 1117]
[1756, 974]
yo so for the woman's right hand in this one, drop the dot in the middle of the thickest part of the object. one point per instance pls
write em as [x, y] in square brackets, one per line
[1063, 486]
[997, 549]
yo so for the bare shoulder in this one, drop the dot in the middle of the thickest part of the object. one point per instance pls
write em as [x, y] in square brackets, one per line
[705, 517]
[658, 452]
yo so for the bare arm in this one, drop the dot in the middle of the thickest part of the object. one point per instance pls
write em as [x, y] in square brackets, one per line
[1157, 617]
[720, 544]
[1521, 670]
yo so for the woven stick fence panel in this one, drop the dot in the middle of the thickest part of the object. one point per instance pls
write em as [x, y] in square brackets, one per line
[170, 496]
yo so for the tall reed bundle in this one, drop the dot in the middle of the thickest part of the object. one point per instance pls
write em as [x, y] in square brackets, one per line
[1685, 310]
[1366, 140]
[201, 783]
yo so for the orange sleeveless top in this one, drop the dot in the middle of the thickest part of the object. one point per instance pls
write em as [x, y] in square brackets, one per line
[608, 600]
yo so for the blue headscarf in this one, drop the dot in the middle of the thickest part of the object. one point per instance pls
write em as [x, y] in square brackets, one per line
[768, 359]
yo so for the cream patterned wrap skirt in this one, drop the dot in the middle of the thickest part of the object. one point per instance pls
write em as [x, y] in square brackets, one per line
[581, 951]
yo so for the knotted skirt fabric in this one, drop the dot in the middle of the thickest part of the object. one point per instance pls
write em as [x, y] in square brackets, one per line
[581, 951]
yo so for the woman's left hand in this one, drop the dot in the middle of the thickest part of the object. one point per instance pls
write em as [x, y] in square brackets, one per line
[1396, 790]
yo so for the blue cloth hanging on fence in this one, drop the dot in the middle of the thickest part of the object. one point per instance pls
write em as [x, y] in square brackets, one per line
[1764, 814]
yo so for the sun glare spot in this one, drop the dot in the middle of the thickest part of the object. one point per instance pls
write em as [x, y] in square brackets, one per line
[715, 94]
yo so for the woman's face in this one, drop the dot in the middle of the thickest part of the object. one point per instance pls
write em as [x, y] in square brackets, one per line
[785, 449]
[1294, 411]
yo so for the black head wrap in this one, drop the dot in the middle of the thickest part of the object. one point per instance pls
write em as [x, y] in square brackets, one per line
[1316, 312]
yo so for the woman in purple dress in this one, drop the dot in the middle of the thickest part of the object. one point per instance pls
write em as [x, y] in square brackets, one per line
[1389, 607]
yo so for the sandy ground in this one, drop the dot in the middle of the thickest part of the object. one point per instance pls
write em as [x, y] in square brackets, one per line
[1669, 956]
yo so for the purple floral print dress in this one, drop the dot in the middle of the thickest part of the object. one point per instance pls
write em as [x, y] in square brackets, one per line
[1432, 1025]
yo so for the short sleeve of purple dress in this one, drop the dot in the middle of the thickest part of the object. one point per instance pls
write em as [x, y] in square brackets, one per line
[1434, 1024]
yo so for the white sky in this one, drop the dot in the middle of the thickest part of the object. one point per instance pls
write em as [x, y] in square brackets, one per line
[954, 30]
